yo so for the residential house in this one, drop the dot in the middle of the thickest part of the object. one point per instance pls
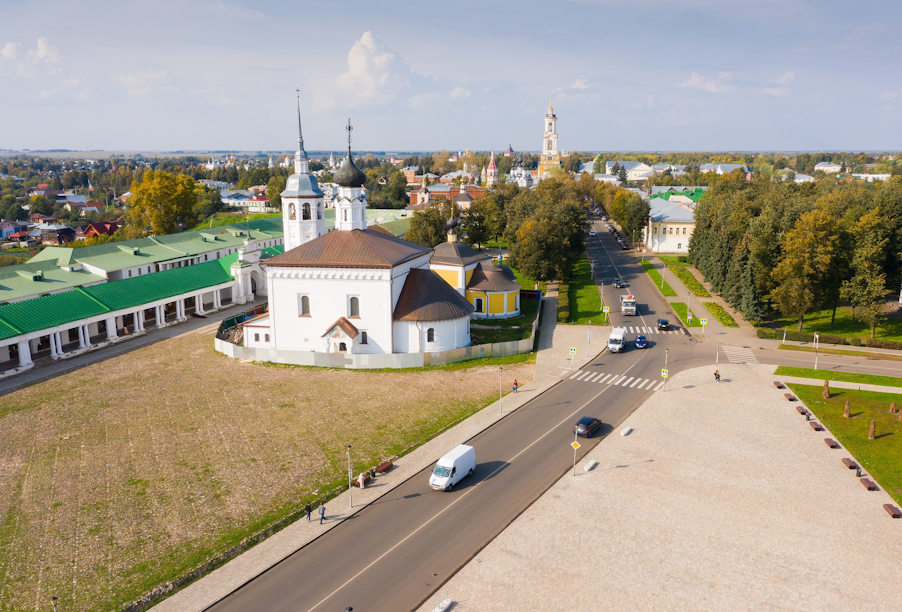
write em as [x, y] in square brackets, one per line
[670, 226]
[85, 207]
[55, 235]
[100, 229]
[8, 228]
[828, 166]
[635, 170]
[39, 218]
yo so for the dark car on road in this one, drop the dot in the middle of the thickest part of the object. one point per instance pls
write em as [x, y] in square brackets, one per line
[663, 324]
[618, 283]
[587, 426]
[641, 342]
[625, 246]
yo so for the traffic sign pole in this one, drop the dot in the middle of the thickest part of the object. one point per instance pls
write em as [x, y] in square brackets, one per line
[575, 446]
[703, 322]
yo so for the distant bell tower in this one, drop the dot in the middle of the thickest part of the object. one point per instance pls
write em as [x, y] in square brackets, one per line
[350, 205]
[549, 146]
[491, 175]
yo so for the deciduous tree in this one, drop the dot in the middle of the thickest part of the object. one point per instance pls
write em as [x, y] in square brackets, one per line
[161, 203]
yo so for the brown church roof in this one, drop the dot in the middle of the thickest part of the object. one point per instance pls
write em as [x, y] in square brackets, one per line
[350, 249]
[456, 254]
[487, 277]
[427, 297]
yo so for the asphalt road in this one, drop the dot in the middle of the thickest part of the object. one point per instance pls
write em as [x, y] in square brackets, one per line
[396, 553]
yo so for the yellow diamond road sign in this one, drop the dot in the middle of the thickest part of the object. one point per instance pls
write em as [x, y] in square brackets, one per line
[575, 445]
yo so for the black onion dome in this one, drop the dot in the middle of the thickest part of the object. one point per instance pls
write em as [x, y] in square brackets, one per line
[349, 175]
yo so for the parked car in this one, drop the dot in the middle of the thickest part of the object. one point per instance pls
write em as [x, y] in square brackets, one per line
[641, 342]
[618, 283]
[592, 233]
[663, 324]
[625, 246]
[587, 426]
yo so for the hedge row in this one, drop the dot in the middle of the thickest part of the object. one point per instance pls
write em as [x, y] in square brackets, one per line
[777, 334]
[690, 281]
[718, 312]
[563, 303]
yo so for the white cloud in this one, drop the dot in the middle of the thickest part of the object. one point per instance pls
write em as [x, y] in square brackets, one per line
[45, 53]
[140, 83]
[716, 86]
[10, 51]
[376, 75]
[786, 79]
[891, 95]
[459, 92]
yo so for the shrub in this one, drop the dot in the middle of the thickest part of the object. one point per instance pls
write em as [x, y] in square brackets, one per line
[884, 344]
[720, 314]
[563, 302]
[691, 283]
[683, 259]
[854, 341]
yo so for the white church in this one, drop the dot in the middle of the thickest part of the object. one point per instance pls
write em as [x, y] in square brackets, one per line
[351, 290]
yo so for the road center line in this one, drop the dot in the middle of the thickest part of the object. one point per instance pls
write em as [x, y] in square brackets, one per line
[446, 508]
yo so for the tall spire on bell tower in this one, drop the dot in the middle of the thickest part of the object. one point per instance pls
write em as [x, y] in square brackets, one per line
[550, 106]
[300, 156]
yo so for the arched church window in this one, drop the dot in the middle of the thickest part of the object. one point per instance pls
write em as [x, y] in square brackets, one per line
[306, 211]
[430, 335]
[478, 304]
[291, 210]
[344, 215]
[319, 211]
[355, 307]
[550, 146]
[256, 337]
[304, 306]
[342, 347]
[266, 337]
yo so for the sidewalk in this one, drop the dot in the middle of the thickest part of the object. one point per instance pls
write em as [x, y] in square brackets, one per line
[721, 498]
[555, 360]
[839, 384]
[221, 582]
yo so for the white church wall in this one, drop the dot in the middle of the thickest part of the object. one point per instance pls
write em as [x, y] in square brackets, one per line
[328, 290]
[399, 276]
[448, 335]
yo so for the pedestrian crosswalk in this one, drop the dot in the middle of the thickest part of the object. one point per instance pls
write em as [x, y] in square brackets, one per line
[739, 354]
[651, 330]
[617, 380]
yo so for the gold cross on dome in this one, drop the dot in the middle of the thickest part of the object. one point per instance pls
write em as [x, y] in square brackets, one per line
[349, 128]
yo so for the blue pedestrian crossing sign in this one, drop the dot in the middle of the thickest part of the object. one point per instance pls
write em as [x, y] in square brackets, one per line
[664, 373]
[606, 309]
[573, 350]
[704, 321]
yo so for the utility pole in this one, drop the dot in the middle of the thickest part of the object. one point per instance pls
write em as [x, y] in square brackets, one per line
[816, 339]
[350, 501]
[500, 395]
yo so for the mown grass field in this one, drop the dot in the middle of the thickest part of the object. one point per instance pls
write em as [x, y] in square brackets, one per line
[656, 279]
[220, 219]
[843, 326]
[129, 472]
[853, 377]
[585, 301]
[681, 310]
[879, 457]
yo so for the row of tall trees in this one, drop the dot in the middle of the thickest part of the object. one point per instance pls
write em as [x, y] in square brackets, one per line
[800, 248]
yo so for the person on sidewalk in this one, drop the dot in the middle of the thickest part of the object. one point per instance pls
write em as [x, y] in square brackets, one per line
[307, 510]
[515, 385]
[717, 376]
[322, 513]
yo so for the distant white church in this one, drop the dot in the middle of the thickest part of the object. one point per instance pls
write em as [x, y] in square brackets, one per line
[351, 290]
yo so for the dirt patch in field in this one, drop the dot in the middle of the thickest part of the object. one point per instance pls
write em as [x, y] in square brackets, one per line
[127, 473]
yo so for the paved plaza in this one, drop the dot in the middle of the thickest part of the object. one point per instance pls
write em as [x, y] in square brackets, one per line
[722, 498]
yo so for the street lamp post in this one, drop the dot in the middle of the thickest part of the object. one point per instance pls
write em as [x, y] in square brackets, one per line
[663, 270]
[53, 601]
[816, 341]
[500, 395]
[350, 500]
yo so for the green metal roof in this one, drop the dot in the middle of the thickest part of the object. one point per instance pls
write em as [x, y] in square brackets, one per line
[396, 228]
[83, 302]
[18, 281]
[114, 256]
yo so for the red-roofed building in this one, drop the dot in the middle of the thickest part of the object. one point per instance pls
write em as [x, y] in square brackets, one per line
[100, 229]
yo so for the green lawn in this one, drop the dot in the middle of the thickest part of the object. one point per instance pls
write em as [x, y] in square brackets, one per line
[879, 457]
[844, 326]
[585, 302]
[673, 260]
[690, 281]
[853, 377]
[681, 311]
[495, 244]
[528, 282]
[220, 219]
[656, 279]
[717, 311]
[503, 330]
[833, 351]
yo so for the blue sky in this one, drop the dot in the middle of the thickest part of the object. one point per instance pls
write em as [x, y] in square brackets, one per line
[627, 75]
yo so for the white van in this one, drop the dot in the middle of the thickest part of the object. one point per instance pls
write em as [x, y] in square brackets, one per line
[450, 469]
[617, 341]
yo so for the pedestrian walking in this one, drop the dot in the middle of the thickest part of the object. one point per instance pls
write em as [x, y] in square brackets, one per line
[307, 510]
[322, 513]
[717, 376]
[515, 385]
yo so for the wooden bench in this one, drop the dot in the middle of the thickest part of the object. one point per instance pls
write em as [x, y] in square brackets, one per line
[384, 467]
[831, 442]
[815, 426]
[366, 480]
[802, 410]
[779, 385]
[892, 510]
[869, 484]
[850, 464]
[790, 397]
